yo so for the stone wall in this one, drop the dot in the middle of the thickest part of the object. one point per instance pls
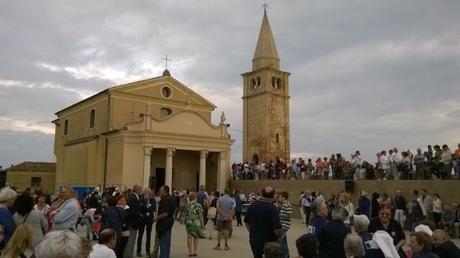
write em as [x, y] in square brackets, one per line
[448, 190]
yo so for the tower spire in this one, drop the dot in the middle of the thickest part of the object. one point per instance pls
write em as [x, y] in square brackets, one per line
[266, 54]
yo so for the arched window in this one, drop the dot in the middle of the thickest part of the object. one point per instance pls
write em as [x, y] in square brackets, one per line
[66, 127]
[165, 112]
[92, 117]
[277, 138]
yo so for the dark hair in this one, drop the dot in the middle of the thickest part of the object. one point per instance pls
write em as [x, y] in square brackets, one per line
[307, 246]
[23, 204]
[273, 250]
[285, 194]
[266, 194]
[166, 188]
[106, 235]
[112, 200]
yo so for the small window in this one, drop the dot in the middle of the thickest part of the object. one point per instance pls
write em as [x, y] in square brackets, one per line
[66, 127]
[166, 91]
[92, 117]
[276, 82]
[255, 83]
[165, 112]
[277, 138]
[35, 181]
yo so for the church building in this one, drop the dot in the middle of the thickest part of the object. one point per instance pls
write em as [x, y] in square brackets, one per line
[266, 103]
[151, 132]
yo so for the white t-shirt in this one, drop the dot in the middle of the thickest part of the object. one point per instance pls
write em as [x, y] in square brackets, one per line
[102, 251]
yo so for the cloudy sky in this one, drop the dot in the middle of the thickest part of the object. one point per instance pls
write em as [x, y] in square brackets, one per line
[366, 75]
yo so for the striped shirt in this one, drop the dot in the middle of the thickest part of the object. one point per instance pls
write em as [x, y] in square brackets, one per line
[285, 215]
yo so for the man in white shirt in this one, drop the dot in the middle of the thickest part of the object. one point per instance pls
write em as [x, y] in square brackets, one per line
[107, 242]
[395, 159]
[385, 162]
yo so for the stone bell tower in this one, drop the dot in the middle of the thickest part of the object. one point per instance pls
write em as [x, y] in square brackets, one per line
[266, 103]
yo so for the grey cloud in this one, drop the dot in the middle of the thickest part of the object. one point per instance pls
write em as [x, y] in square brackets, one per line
[347, 93]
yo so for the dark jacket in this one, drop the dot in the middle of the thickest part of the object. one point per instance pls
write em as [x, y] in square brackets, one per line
[364, 206]
[447, 250]
[147, 208]
[134, 211]
[168, 206]
[114, 218]
[425, 254]
[331, 236]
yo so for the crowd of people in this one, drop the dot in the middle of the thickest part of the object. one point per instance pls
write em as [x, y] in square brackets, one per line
[436, 161]
[43, 226]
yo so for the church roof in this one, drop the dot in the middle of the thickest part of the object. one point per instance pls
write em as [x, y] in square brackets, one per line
[29, 166]
[266, 48]
[166, 75]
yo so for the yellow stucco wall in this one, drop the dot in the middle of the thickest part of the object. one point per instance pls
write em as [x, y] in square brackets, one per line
[128, 120]
[449, 190]
[22, 179]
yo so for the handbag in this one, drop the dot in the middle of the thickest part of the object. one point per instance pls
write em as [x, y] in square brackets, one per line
[212, 213]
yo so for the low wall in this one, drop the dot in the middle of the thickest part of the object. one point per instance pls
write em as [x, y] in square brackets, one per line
[449, 190]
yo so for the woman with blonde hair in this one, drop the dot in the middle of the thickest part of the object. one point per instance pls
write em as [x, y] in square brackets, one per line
[194, 223]
[21, 243]
[344, 202]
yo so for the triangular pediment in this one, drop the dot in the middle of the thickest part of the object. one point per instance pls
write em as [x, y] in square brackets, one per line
[164, 88]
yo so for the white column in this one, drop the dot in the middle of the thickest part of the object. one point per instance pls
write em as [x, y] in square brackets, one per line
[147, 158]
[169, 166]
[221, 172]
[203, 156]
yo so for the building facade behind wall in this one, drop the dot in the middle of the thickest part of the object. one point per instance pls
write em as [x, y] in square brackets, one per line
[151, 132]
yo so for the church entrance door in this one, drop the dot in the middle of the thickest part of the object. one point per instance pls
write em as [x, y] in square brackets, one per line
[158, 179]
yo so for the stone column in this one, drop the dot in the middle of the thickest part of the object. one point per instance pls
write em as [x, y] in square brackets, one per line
[169, 166]
[221, 171]
[147, 158]
[203, 156]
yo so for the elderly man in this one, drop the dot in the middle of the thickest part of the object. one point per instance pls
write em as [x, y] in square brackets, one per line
[320, 212]
[353, 246]
[332, 234]
[371, 248]
[443, 247]
[58, 244]
[107, 242]
[263, 222]
[420, 243]
[67, 215]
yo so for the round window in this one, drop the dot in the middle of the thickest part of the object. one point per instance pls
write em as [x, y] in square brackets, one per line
[166, 91]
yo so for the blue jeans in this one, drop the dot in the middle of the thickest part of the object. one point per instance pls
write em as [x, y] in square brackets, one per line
[284, 246]
[165, 244]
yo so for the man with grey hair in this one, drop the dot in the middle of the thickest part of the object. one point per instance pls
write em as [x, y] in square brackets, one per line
[134, 219]
[59, 244]
[332, 234]
[353, 246]
[65, 218]
[320, 212]
[360, 224]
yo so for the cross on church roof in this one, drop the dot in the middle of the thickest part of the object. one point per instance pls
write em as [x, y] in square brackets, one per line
[166, 61]
[265, 6]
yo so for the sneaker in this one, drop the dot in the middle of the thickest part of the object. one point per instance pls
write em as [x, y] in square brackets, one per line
[217, 247]
[226, 247]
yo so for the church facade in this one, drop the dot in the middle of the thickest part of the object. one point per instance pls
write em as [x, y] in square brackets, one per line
[151, 132]
[266, 103]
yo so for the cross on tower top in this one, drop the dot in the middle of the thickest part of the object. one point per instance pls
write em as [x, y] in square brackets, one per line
[265, 6]
[166, 61]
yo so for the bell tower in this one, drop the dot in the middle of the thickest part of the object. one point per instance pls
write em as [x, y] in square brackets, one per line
[266, 103]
